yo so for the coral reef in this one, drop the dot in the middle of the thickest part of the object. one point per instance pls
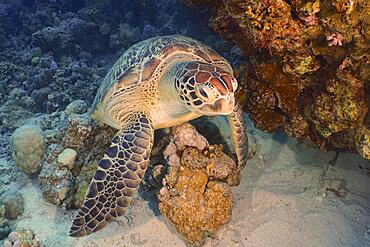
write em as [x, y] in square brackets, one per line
[74, 146]
[309, 74]
[22, 237]
[28, 148]
[197, 181]
[196, 195]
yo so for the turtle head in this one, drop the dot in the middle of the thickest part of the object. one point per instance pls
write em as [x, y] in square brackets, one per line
[206, 89]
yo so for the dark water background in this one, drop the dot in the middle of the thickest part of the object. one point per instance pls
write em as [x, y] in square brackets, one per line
[53, 52]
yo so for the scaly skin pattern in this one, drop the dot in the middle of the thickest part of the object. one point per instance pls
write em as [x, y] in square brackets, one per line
[118, 176]
[201, 84]
[157, 83]
[239, 136]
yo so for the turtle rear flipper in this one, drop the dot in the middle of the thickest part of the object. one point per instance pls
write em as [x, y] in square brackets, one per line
[118, 176]
[239, 135]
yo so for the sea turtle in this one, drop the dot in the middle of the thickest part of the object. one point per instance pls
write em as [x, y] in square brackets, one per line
[157, 83]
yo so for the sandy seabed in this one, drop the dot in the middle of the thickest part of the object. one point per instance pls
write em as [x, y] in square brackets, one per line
[289, 195]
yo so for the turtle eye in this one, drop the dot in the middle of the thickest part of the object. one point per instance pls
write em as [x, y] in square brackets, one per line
[203, 93]
[206, 92]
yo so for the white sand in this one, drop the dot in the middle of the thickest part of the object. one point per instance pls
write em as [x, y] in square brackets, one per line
[281, 201]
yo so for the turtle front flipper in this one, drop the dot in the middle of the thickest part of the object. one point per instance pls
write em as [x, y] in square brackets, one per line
[118, 176]
[239, 135]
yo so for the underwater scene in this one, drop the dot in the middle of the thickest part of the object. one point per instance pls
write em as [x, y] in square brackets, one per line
[155, 123]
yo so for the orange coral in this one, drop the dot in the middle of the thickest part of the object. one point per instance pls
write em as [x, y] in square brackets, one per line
[208, 203]
[196, 205]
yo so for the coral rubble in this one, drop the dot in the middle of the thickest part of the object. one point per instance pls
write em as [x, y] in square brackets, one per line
[196, 195]
[22, 237]
[306, 66]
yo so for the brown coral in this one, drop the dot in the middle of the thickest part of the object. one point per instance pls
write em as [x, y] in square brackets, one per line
[272, 26]
[200, 206]
[196, 196]
[78, 129]
[273, 100]
[214, 161]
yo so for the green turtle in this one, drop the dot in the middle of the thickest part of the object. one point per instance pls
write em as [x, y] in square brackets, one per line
[157, 83]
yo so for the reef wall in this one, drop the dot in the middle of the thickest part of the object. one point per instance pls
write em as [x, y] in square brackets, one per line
[305, 66]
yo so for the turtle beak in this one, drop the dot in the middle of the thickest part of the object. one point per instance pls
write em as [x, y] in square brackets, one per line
[222, 106]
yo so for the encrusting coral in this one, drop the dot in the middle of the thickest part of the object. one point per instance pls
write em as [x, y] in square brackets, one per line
[339, 106]
[274, 100]
[362, 141]
[196, 195]
[306, 66]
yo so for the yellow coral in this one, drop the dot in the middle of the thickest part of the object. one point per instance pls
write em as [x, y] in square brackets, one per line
[300, 65]
[344, 6]
[340, 107]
